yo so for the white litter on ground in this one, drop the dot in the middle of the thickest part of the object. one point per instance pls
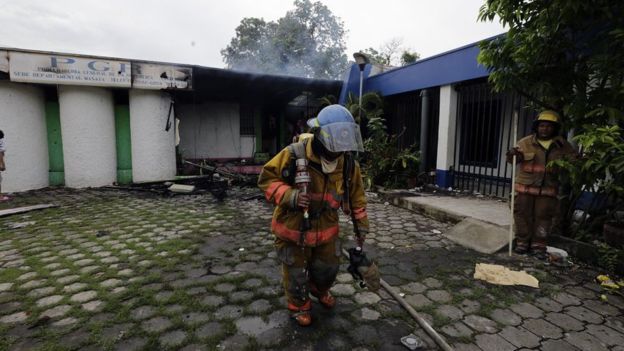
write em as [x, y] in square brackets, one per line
[500, 275]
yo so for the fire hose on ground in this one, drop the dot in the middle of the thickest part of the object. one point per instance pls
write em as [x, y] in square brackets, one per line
[226, 174]
[421, 321]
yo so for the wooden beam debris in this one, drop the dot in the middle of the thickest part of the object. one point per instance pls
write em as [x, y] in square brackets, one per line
[12, 211]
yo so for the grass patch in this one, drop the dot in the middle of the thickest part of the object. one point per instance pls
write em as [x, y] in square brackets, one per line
[9, 275]
[486, 309]
[440, 320]
[503, 295]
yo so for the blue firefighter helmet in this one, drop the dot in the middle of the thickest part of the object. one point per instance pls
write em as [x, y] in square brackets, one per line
[337, 130]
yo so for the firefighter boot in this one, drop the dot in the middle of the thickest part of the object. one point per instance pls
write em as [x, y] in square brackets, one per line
[325, 297]
[301, 313]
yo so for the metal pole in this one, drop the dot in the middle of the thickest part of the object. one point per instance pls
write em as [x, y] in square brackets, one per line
[424, 126]
[360, 98]
[513, 177]
[421, 321]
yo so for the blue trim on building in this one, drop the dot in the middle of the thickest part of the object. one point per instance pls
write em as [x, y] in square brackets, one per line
[455, 66]
[352, 83]
[449, 67]
[444, 178]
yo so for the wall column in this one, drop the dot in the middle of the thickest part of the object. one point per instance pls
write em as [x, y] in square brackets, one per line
[153, 148]
[446, 136]
[88, 132]
[23, 121]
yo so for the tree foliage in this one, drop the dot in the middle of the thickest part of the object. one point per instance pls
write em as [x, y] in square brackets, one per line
[566, 55]
[408, 57]
[383, 162]
[308, 41]
[372, 105]
[392, 53]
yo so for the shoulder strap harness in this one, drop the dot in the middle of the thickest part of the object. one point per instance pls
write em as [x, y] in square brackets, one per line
[296, 150]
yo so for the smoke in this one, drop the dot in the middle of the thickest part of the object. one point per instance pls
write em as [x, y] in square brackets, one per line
[297, 57]
[307, 42]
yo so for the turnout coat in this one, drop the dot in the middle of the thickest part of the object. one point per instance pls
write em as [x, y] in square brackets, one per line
[327, 196]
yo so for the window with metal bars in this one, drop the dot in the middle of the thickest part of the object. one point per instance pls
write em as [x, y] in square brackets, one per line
[480, 132]
[247, 120]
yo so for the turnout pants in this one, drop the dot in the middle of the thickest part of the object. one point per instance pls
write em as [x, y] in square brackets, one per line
[534, 216]
[305, 268]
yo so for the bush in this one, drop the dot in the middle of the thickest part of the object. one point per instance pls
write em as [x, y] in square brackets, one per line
[383, 163]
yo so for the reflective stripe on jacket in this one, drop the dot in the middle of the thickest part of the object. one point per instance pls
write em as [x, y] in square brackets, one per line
[533, 175]
[326, 195]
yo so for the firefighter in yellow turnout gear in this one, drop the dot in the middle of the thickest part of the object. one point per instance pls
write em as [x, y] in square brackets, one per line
[310, 256]
[537, 184]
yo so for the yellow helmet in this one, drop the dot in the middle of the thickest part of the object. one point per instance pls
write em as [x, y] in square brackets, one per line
[549, 116]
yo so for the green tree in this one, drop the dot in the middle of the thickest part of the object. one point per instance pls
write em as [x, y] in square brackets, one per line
[388, 53]
[409, 57]
[308, 41]
[376, 56]
[566, 55]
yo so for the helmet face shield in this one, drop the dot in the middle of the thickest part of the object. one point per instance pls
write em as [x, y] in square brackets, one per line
[341, 137]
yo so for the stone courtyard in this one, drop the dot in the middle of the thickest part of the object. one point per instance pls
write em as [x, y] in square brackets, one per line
[116, 270]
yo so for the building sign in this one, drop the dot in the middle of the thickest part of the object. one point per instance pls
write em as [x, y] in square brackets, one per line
[4, 61]
[59, 69]
[154, 76]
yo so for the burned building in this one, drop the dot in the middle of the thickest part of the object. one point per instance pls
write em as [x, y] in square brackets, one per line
[86, 121]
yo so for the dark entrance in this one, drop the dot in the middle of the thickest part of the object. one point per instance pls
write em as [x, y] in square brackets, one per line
[404, 119]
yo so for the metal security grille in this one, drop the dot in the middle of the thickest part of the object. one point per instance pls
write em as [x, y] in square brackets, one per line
[246, 120]
[483, 135]
[404, 117]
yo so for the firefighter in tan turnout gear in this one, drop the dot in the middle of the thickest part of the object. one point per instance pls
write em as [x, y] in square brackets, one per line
[309, 181]
[536, 184]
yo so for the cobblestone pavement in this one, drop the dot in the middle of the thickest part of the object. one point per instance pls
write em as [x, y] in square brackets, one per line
[128, 271]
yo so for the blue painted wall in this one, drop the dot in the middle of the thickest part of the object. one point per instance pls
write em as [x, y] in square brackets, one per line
[450, 67]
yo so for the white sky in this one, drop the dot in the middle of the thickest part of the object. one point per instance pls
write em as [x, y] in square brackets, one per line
[194, 31]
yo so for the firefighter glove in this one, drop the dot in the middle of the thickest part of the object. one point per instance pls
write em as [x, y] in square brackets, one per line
[303, 200]
[363, 270]
[515, 151]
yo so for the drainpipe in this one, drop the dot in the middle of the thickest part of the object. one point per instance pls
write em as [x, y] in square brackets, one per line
[424, 126]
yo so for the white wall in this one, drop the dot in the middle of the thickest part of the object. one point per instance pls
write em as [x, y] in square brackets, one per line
[88, 130]
[210, 130]
[153, 148]
[22, 118]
